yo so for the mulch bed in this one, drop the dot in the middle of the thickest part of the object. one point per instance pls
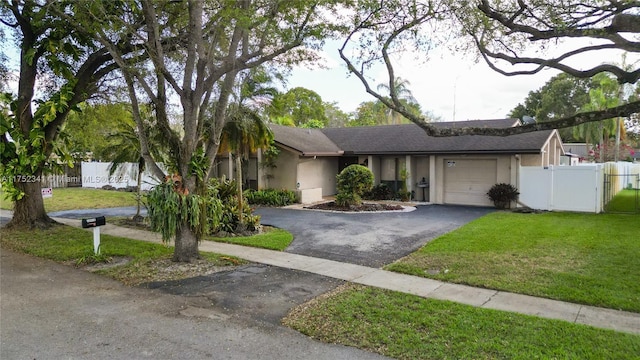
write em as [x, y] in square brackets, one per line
[363, 207]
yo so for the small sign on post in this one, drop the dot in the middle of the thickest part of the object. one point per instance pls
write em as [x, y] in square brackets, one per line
[95, 223]
[47, 193]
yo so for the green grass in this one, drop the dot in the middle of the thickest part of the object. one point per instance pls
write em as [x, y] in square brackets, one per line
[81, 198]
[71, 245]
[581, 258]
[409, 327]
[271, 238]
[626, 201]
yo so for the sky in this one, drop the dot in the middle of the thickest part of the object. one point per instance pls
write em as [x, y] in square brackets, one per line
[451, 87]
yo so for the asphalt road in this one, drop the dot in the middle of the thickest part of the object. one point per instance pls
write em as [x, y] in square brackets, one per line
[52, 311]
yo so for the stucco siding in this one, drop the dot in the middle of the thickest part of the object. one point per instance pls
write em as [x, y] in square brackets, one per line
[318, 173]
[285, 173]
[531, 160]
[374, 166]
[420, 169]
[224, 168]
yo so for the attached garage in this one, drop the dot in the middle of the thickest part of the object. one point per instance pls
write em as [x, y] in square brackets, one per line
[457, 170]
[466, 181]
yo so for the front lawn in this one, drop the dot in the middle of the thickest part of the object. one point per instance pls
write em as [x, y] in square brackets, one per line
[405, 326]
[81, 198]
[75, 246]
[581, 258]
[271, 238]
[626, 201]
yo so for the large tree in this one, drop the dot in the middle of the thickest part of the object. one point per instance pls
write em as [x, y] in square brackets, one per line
[89, 131]
[196, 51]
[505, 34]
[68, 66]
[299, 104]
[563, 95]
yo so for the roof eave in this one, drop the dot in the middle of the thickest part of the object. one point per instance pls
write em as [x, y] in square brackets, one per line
[331, 153]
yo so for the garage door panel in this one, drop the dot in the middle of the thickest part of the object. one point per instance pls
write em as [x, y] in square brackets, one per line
[467, 181]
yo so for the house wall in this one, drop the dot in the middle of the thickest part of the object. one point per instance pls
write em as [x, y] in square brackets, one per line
[252, 173]
[531, 160]
[419, 170]
[318, 173]
[388, 168]
[374, 166]
[285, 174]
[224, 167]
[503, 174]
[550, 157]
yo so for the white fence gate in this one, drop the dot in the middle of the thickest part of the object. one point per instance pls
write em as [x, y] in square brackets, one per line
[571, 188]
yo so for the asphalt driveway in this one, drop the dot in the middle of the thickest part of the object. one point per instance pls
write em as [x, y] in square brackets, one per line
[364, 238]
[369, 239]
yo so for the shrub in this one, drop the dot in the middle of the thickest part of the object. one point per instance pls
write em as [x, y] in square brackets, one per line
[228, 221]
[379, 192]
[270, 197]
[353, 182]
[502, 195]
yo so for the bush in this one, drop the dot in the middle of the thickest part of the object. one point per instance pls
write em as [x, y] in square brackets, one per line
[227, 219]
[379, 192]
[502, 195]
[353, 182]
[270, 197]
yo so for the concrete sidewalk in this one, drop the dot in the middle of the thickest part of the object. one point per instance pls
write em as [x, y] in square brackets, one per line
[427, 288]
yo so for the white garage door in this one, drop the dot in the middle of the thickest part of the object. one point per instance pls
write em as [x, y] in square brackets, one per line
[466, 181]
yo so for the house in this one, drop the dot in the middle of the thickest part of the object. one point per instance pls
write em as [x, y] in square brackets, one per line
[442, 170]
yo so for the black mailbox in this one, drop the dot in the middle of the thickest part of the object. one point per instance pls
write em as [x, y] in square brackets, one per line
[97, 221]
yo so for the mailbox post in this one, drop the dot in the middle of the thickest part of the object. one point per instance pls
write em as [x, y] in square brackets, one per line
[95, 223]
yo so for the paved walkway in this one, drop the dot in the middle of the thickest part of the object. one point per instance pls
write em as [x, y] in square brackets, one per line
[427, 288]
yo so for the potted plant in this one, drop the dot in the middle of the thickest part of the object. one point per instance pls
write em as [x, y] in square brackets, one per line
[502, 195]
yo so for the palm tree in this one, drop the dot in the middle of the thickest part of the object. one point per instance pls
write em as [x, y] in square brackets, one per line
[124, 147]
[600, 98]
[243, 134]
[401, 90]
[245, 130]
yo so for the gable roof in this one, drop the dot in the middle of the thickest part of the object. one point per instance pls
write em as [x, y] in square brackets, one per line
[409, 139]
[307, 142]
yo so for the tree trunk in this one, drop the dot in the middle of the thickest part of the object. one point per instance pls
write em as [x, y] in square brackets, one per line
[29, 211]
[137, 217]
[186, 249]
[601, 147]
[238, 168]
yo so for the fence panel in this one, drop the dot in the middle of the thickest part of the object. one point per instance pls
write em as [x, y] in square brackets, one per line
[96, 175]
[575, 188]
[535, 187]
[562, 188]
[578, 188]
[54, 181]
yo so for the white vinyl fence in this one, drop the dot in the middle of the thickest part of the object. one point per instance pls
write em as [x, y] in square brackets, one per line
[573, 188]
[96, 175]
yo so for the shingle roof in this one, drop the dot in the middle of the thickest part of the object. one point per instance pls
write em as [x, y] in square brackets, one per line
[308, 142]
[410, 139]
